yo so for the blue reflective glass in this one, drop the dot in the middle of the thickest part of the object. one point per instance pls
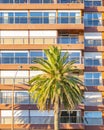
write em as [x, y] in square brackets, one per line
[88, 3]
[97, 3]
[20, 1]
[97, 62]
[46, 20]
[21, 54]
[60, 14]
[10, 14]
[47, 1]
[62, 20]
[72, 20]
[88, 62]
[89, 16]
[97, 82]
[76, 54]
[96, 75]
[35, 1]
[88, 82]
[72, 14]
[63, 40]
[7, 60]
[20, 14]
[36, 54]
[88, 75]
[8, 54]
[36, 20]
[21, 60]
[36, 14]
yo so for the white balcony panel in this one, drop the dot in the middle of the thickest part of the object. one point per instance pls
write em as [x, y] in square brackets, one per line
[12, 74]
[93, 35]
[43, 33]
[13, 33]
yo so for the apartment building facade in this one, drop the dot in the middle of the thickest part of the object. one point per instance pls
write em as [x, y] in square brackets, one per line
[27, 27]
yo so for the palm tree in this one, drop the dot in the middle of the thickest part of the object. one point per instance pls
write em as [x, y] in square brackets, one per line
[58, 85]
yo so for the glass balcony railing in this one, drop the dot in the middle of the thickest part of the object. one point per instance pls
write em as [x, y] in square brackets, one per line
[70, 1]
[92, 42]
[93, 82]
[93, 121]
[40, 20]
[17, 99]
[40, 120]
[89, 3]
[29, 60]
[93, 22]
[92, 61]
[40, 1]
[38, 40]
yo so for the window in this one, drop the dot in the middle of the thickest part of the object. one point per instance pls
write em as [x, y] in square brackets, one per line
[89, 3]
[41, 1]
[13, 17]
[93, 39]
[68, 39]
[92, 79]
[92, 98]
[93, 19]
[20, 97]
[42, 17]
[36, 54]
[69, 17]
[70, 117]
[92, 59]
[6, 97]
[38, 117]
[13, 1]
[20, 116]
[69, 1]
[74, 55]
[93, 118]
[14, 57]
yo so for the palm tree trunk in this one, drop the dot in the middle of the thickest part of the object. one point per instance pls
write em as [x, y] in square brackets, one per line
[56, 114]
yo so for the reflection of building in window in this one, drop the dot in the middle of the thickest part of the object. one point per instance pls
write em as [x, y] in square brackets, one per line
[93, 3]
[93, 118]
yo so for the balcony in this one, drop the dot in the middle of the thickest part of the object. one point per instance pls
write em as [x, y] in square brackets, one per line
[34, 22]
[40, 43]
[93, 82]
[94, 45]
[42, 122]
[29, 60]
[42, 4]
[93, 64]
[94, 25]
[40, 1]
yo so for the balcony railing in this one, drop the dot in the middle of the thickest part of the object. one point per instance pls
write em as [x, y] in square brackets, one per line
[93, 82]
[29, 60]
[39, 40]
[40, 1]
[92, 42]
[93, 3]
[40, 20]
[93, 22]
[17, 99]
[92, 61]
[41, 120]
[93, 121]
[10, 80]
